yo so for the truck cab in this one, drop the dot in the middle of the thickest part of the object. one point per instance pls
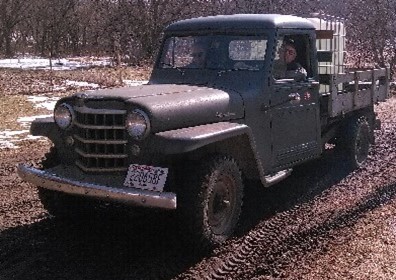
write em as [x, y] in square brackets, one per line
[242, 55]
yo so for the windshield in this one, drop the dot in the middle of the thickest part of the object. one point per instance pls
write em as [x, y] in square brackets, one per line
[220, 52]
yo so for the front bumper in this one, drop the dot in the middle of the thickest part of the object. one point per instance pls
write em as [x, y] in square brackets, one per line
[50, 180]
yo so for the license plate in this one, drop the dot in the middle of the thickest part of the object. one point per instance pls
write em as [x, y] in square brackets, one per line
[146, 177]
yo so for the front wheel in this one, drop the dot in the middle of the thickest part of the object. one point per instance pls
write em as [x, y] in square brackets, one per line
[63, 205]
[210, 201]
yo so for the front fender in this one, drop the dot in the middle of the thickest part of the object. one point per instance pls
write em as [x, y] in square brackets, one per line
[47, 127]
[234, 138]
[44, 127]
[191, 138]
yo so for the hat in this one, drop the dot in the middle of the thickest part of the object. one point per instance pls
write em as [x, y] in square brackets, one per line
[289, 41]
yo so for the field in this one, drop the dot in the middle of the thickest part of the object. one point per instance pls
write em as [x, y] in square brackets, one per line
[323, 222]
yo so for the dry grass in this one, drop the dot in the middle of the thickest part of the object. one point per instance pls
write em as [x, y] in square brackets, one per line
[17, 84]
[28, 82]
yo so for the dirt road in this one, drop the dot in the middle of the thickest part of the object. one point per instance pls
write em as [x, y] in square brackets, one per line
[324, 222]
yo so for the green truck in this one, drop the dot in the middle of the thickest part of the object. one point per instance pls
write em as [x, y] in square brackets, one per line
[190, 139]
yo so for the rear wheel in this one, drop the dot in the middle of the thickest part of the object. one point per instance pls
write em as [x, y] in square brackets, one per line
[356, 141]
[210, 201]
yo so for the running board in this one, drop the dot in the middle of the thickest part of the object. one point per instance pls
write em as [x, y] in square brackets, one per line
[277, 177]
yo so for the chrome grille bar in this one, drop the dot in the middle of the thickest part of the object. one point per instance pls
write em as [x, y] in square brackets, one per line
[101, 137]
[90, 141]
[98, 155]
[98, 126]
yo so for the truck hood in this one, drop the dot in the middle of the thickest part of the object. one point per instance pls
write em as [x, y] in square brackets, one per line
[171, 106]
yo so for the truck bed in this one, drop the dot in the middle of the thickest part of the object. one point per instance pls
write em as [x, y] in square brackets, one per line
[355, 90]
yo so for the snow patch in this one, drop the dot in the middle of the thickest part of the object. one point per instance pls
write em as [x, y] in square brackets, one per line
[81, 84]
[43, 102]
[57, 64]
[9, 138]
[27, 121]
[133, 83]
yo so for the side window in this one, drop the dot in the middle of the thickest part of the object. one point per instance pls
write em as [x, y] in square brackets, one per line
[292, 59]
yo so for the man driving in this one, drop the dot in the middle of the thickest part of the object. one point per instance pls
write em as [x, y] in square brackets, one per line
[290, 68]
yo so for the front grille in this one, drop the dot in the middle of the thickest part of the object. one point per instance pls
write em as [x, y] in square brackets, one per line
[101, 140]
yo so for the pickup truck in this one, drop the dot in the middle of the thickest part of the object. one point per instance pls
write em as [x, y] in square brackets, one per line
[214, 114]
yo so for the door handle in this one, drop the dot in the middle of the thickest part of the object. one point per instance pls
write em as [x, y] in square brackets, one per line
[294, 96]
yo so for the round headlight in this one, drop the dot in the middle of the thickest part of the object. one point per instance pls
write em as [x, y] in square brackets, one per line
[138, 124]
[64, 115]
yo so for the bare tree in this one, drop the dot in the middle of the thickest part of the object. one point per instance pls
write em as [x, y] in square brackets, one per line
[132, 29]
[12, 12]
[373, 32]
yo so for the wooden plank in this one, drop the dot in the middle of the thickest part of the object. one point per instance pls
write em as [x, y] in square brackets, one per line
[324, 34]
[343, 78]
[362, 99]
[381, 94]
[364, 88]
[341, 104]
[379, 73]
[364, 75]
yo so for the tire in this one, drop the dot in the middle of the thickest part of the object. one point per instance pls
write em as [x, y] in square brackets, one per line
[59, 204]
[356, 143]
[51, 158]
[63, 205]
[210, 202]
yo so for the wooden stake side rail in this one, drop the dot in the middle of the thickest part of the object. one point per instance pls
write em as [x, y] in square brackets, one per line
[357, 90]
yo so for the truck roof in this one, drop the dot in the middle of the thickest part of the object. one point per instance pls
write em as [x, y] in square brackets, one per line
[240, 22]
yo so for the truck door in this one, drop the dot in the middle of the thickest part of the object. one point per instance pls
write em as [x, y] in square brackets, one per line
[294, 108]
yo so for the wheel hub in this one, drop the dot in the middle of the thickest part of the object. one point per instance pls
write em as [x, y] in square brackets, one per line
[220, 204]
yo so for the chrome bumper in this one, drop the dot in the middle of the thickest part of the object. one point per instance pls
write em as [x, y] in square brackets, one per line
[143, 198]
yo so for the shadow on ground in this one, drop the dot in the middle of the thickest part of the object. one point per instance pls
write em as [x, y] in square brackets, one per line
[306, 182]
[114, 246]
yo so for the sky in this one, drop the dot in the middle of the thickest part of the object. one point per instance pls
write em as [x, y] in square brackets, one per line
[11, 138]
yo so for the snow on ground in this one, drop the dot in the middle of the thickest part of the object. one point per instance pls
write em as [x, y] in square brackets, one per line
[43, 101]
[9, 138]
[26, 121]
[82, 84]
[57, 64]
[76, 84]
[134, 83]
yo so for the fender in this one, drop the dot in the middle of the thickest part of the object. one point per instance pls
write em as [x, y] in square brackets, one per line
[43, 127]
[191, 138]
[188, 139]
[47, 127]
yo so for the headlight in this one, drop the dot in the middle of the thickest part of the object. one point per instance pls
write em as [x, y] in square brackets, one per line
[64, 115]
[138, 124]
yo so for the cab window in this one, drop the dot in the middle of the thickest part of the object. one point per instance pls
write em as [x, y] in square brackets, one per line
[292, 58]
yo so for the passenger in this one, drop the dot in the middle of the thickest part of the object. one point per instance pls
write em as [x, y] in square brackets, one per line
[198, 54]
